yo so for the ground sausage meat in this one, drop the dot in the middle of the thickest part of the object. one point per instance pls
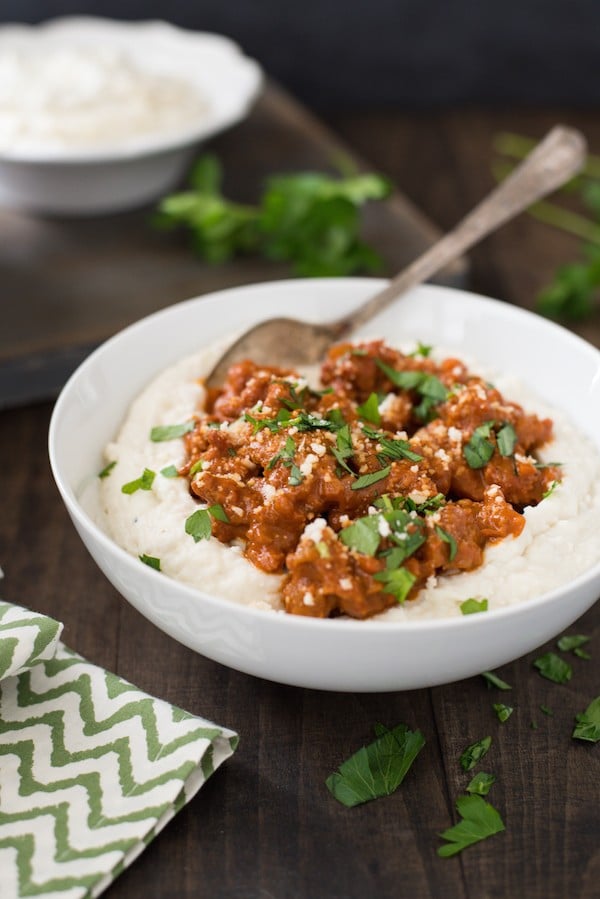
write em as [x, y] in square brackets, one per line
[398, 469]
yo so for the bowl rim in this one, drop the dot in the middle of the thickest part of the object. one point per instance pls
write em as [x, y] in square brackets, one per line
[334, 625]
[215, 121]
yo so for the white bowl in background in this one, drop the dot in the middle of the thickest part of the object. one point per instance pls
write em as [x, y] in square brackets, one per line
[334, 654]
[123, 174]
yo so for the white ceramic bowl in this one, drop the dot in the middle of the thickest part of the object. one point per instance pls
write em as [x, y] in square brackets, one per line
[328, 654]
[109, 177]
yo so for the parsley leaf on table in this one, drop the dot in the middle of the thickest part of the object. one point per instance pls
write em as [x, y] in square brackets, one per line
[309, 219]
[479, 821]
[481, 783]
[554, 668]
[503, 711]
[494, 681]
[588, 723]
[572, 642]
[474, 753]
[377, 769]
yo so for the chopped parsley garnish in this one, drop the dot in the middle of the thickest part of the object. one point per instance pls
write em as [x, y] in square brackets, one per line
[393, 448]
[171, 432]
[151, 561]
[471, 606]
[404, 547]
[554, 668]
[428, 386]
[142, 483]
[433, 392]
[405, 533]
[343, 448]
[273, 424]
[296, 399]
[479, 821]
[106, 470]
[423, 349]
[427, 507]
[303, 421]
[196, 467]
[405, 380]
[296, 476]
[550, 489]
[378, 769]
[369, 410]
[286, 457]
[307, 421]
[397, 582]
[199, 525]
[506, 439]
[546, 711]
[503, 711]
[170, 471]
[474, 753]
[588, 723]
[449, 539]
[494, 681]
[371, 478]
[479, 450]
[481, 783]
[581, 653]
[362, 535]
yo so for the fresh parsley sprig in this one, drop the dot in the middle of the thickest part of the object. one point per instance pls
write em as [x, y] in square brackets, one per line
[575, 287]
[309, 219]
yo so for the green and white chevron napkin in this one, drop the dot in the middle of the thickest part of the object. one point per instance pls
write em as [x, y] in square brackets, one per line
[91, 768]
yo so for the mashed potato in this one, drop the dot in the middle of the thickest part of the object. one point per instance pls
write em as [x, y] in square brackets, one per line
[559, 540]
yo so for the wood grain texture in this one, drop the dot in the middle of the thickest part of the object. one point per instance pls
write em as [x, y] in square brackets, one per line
[66, 284]
[265, 827]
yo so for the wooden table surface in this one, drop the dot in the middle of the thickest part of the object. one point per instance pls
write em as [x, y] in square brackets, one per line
[265, 827]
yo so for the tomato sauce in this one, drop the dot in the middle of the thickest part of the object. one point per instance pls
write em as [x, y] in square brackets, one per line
[397, 470]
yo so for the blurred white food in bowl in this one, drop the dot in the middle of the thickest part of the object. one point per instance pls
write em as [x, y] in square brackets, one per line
[98, 116]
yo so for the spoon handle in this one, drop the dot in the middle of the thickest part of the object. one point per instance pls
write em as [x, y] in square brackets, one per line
[559, 156]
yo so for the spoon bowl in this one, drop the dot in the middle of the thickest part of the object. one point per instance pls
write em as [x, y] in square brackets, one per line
[287, 341]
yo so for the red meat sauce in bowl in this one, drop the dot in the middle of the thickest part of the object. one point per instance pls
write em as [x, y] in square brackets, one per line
[397, 469]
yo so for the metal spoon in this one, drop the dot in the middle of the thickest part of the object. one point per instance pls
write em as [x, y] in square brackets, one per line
[289, 342]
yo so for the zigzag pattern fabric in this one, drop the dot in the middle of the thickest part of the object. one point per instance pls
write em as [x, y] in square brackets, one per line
[25, 638]
[91, 768]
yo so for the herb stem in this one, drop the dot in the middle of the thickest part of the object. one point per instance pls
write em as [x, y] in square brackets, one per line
[556, 216]
[516, 145]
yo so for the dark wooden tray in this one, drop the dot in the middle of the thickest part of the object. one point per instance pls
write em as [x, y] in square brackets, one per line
[67, 284]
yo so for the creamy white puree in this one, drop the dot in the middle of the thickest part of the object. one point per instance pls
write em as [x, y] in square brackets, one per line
[559, 540]
[69, 97]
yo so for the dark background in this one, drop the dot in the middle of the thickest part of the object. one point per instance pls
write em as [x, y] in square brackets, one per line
[391, 53]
